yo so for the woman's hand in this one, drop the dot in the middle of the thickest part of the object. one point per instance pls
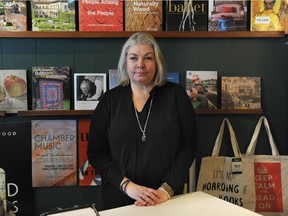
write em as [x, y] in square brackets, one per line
[145, 196]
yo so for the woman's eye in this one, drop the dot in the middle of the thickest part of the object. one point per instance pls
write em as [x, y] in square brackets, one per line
[133, 58]
[148, 58]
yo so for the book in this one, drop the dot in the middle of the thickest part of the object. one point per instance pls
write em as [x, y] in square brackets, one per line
[15, 160]
[58, 15]
[50, 88]
[54, 153]
[113, 78]
[186, 15]
[88, 89]
[13, 90]
[101, 15]
[268, 15]
[228, 15]
[13, 15]
[240, 92]
[143, 15]
[284, 16]
[3, 208]
[88, 176]
[173, 77]
[201, 87]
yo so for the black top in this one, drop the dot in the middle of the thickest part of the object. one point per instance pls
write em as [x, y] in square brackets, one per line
[115, 148]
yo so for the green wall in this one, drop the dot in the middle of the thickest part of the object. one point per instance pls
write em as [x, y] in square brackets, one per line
[264, 57]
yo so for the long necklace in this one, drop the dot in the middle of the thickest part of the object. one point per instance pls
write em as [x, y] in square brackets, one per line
[143, 130]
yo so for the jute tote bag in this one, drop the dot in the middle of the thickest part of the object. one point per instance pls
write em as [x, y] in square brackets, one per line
[229, 178]
[271, 175]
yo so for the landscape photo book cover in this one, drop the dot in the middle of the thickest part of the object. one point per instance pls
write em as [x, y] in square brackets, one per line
[58, 15]
[51, 88]
[240, 92]
[13, 15]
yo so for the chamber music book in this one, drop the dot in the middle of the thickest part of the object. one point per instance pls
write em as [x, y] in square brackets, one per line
[54, 153]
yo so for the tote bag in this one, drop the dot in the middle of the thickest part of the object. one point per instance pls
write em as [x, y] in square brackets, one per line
[228, 178]
[271, 175]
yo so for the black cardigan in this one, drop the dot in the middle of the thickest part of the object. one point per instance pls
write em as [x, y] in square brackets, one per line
[115, 148]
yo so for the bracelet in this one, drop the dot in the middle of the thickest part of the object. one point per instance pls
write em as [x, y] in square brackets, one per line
[168, 189]
[124, 185]
[160, 188]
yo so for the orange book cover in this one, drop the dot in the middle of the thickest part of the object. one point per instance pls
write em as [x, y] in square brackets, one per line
[87, 174]
[143, 15]
[269, 15]
[105, 15]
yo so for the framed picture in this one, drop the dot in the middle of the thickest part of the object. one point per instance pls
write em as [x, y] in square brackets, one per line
[88, 89]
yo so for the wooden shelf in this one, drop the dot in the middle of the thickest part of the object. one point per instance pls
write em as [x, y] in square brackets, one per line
[89, 112]
[55, 113]
[198, 34]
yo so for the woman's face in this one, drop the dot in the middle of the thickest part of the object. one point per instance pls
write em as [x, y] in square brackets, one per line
[141, 65]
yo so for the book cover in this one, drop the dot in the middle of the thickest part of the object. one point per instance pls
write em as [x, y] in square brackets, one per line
[51, 88]
[284, 16]
[228, 15]
[13, 90]
[113, 78]
[15, 160]
[58, 15]
[240, 92]
[101, 15]
[173, 77]
[268, 15]
[186, 15]
[13, 15]
[88, 89]
[3, 208]
[201, 87]
[88, 176]
[143, 15]
[54, 153]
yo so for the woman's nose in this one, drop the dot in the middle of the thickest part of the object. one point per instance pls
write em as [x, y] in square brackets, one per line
[140, 63]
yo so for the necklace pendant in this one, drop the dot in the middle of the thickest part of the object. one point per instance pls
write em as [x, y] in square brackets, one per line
[143, 137]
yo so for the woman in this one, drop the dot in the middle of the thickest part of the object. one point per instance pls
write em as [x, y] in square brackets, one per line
[142, 137]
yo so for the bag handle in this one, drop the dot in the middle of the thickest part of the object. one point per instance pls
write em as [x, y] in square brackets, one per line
[218, 142]
[252, 146]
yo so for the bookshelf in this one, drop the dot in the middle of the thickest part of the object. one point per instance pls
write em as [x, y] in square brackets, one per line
[164, 34]
[89, 112]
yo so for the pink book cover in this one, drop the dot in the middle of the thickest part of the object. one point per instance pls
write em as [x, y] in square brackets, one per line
[105, 15]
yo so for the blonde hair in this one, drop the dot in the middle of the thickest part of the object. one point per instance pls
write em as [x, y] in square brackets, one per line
[142, 38]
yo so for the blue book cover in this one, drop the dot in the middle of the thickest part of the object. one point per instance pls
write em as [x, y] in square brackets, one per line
[173, 77]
